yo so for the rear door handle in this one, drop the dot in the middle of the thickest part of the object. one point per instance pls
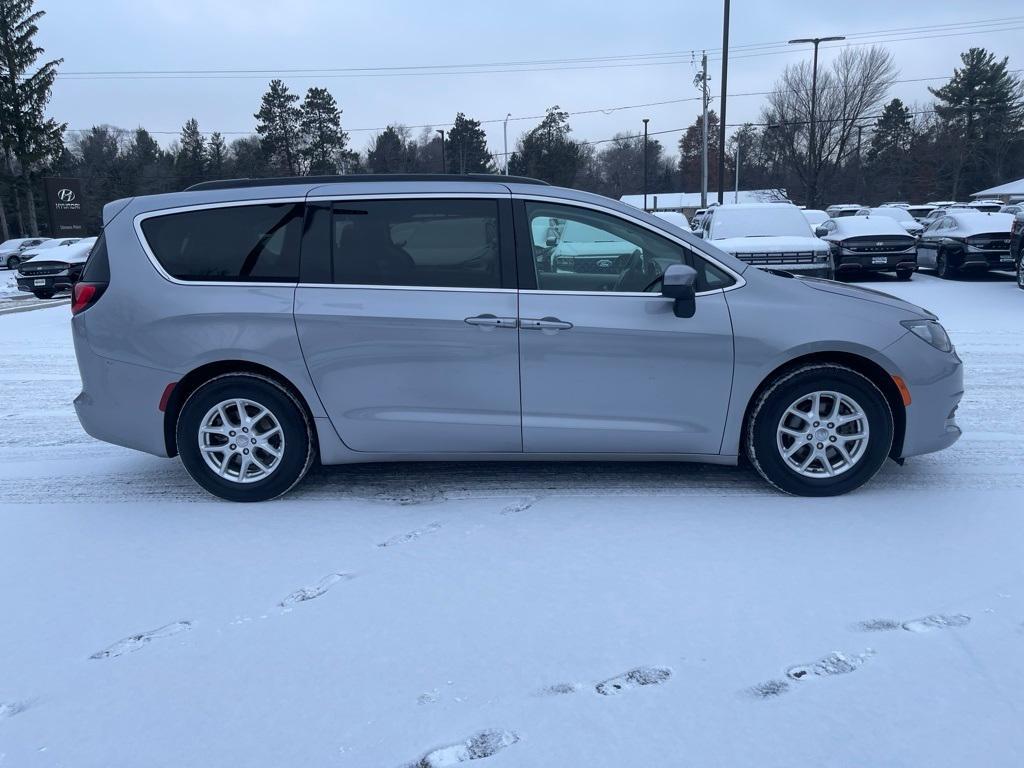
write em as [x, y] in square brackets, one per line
[544, 324]
[491, 321]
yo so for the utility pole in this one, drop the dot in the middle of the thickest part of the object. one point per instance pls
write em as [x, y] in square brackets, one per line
[736, 194]
[645, 162]
[721, 116]
[812, 163]
[506, 142]
[444, 162]
[704, 132]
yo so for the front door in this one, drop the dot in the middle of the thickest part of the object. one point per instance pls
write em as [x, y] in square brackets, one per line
[606, 365]
[409, 326]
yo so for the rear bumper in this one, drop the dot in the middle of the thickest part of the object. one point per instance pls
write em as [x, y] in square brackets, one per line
[878, 262]
[53, 283]
[119, 402]
[936, 383]
[981, 260]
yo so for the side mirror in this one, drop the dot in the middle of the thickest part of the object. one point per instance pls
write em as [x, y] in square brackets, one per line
[679, 283]
[551, 241]
[820, 231]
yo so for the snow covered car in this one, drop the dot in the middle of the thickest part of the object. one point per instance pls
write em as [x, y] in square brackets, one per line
[46, 276]
[898, 214]
[839, 210]
[672, 217]
[870, 244]
[986, 206]
[1017, 245]
[44, 248]
[11, 250]
[768, 235]
[919, 212]
[814, 216]
[698, 218]
[966, 240]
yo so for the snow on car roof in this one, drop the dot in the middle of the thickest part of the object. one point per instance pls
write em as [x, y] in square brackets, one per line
[972, 222]
[868, 225]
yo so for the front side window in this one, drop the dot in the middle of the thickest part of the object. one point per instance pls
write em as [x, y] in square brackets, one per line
[577, 249]
[421, 242]
[236, 243]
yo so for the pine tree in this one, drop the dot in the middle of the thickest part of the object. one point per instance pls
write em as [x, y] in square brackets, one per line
[190, 160]
[320, 124]
[980, 110]
[28, 139]
[547, 152]
[278, 125]
[144, 165]
[889, 162]
[390, 152]
[467, 147]
[691, 153]
[216, 156]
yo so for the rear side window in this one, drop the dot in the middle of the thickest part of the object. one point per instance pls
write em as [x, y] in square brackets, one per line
[97, 266]
[422, 242]
[238, 243]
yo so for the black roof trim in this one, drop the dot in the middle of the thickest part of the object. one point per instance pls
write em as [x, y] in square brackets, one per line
[493, 178]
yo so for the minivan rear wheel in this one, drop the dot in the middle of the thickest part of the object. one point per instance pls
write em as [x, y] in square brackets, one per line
[244, 437]
[820, 430]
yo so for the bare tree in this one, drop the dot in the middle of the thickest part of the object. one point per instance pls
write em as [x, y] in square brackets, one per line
[847, 94]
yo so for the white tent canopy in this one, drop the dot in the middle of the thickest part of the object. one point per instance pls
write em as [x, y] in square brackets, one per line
[1007, 190]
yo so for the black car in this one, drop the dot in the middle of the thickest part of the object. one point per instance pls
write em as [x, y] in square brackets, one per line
[44, 278]
[1017, 246]
[966, 240]
[862, 244]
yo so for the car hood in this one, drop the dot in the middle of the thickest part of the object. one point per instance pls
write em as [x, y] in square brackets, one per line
[865, 294]
[772, 244]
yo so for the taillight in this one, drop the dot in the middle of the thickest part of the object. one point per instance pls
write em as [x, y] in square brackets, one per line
[84, 295]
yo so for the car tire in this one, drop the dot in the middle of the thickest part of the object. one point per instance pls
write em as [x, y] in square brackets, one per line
[767, 444]
[904, 274]
[1020, 273]
[942, 268]
[282, 449]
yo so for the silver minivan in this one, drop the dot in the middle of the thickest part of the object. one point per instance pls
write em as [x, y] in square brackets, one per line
[253, 327]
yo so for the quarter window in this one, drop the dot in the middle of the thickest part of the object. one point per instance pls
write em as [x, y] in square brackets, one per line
[237, 243]
[422, 242]
[577, 249]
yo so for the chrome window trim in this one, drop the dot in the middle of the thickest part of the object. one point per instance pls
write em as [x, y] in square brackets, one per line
[739, 281]
[141, 217]
[362, 287]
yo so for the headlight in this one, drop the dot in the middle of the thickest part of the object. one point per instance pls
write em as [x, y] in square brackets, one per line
[821, 256]
[931, 331]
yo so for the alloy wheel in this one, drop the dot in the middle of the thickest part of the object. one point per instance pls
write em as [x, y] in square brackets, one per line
[241, 440]
[823, 434]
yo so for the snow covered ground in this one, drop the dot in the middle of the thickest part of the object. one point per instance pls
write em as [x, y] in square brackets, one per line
[519, 615]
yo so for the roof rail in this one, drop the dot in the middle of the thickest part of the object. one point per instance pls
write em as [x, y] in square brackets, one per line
[364, 177]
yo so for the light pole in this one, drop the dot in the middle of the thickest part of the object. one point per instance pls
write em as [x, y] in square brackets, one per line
[444, 163]
[645, 162]
[721, 125]
[812, 171]
[506, 142]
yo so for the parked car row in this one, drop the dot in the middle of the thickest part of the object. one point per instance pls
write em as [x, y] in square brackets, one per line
[46, 265]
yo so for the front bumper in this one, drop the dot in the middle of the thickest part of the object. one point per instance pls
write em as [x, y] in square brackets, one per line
[936, 383]
[822, 269]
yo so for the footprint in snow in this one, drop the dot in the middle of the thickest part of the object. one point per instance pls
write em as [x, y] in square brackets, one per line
[476, 747]
[560, 689]
[12, 708]
[411, 535]
[937, 621]
[926, 624]
[519, 506]
[315, 591]
[835, 663]
[135, 642]
[768, 689]
[634, 678]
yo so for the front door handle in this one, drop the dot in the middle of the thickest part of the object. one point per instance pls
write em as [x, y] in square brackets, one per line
[491, 321]
[544, 324]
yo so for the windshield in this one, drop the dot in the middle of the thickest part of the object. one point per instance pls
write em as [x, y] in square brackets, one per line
[899, 214]
[769, 221]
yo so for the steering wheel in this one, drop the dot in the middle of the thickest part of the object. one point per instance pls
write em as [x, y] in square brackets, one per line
[637, 268]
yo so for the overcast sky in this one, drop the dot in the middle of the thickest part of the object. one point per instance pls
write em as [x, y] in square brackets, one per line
[120, 35]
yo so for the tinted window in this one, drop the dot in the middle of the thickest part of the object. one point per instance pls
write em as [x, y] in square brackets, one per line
[577, 249]
[423, 242]
[97, 266]
[238, 243]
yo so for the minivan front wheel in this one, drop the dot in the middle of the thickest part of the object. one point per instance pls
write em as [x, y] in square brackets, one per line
[820, 430]
[243, 437]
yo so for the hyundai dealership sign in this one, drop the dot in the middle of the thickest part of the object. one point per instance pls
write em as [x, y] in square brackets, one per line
[64, 202]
